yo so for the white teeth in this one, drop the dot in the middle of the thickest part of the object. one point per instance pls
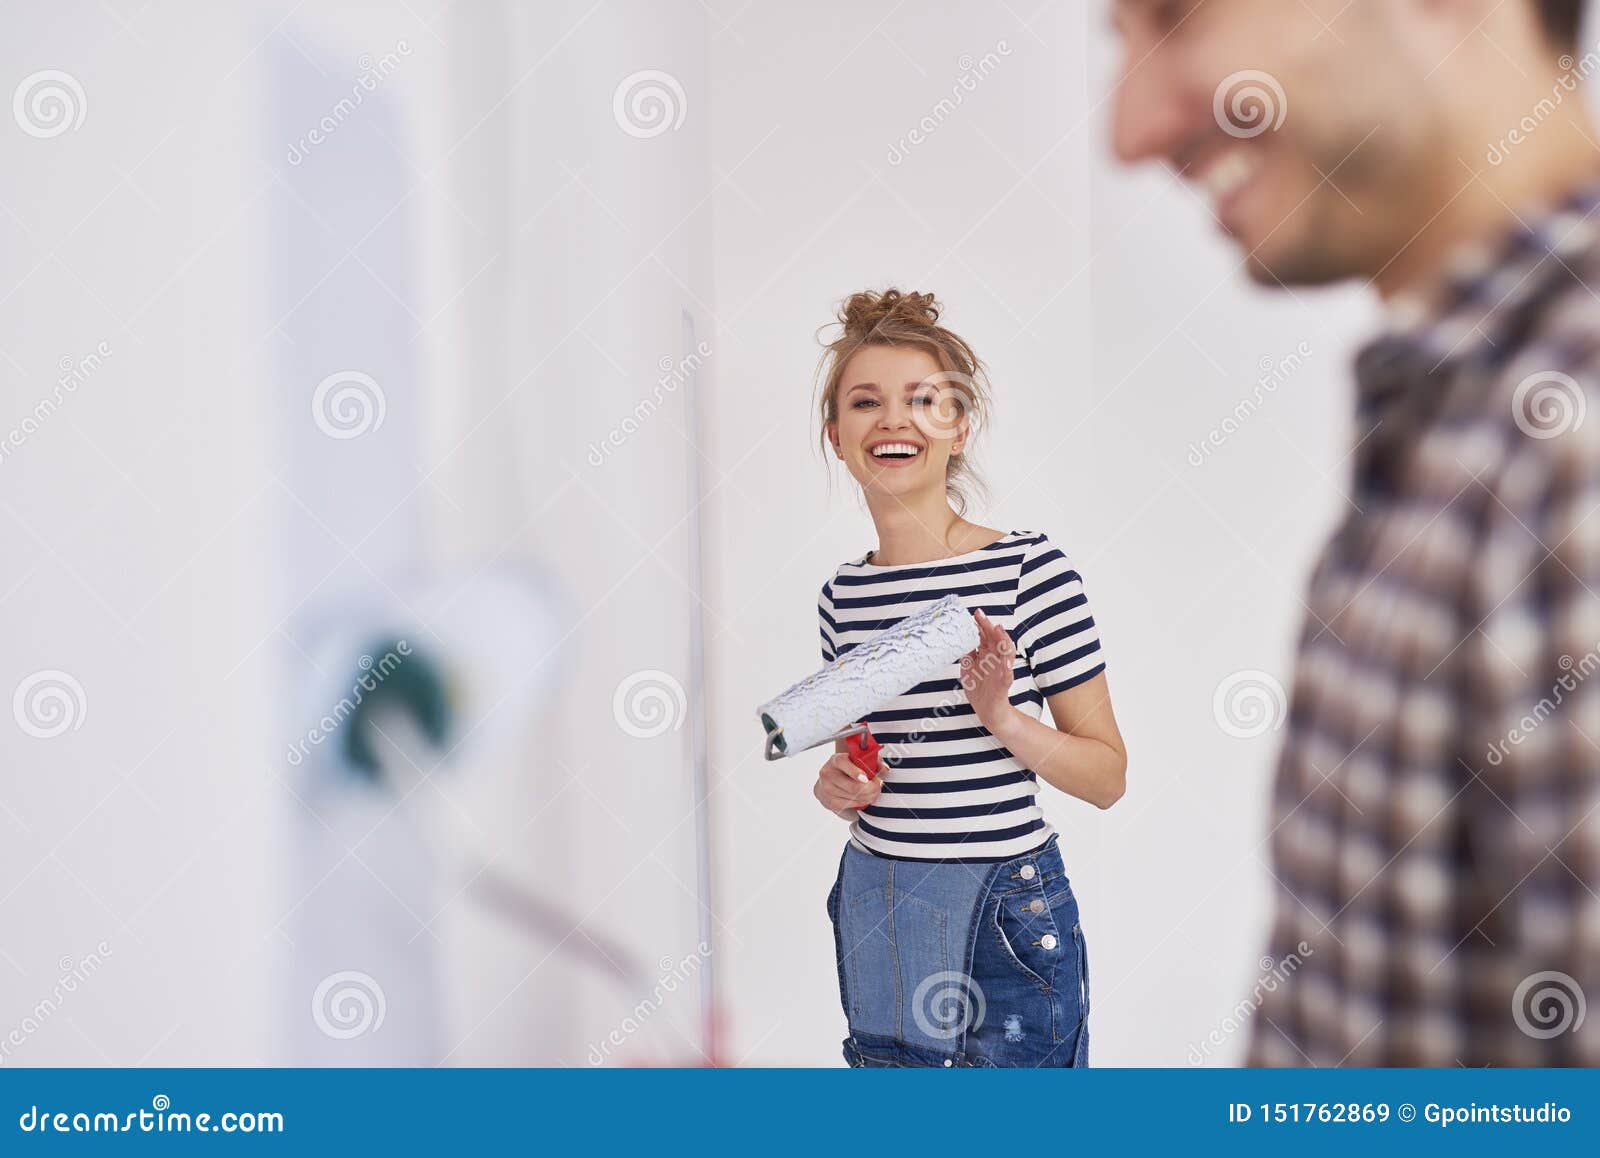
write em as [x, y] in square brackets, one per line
[895, 448]
[1229, 174]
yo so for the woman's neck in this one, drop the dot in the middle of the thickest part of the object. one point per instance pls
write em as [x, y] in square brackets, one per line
[908, 535]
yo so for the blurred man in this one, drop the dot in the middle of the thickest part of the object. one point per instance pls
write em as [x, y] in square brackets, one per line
[1436, 839]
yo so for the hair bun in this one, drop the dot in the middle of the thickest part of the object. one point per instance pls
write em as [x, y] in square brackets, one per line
[866, 310]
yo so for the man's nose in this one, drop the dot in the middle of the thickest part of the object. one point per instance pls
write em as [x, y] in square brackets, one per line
[1147, 119]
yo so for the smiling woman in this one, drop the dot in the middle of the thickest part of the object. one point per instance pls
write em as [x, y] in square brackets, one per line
[957, 934]
[891, 342]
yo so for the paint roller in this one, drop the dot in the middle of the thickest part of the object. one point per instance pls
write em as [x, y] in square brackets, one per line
[832, 704]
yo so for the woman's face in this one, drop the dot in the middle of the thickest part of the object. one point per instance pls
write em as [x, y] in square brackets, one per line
[900, 419]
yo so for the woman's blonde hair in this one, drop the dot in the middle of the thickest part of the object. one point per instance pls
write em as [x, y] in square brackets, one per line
[893, 318]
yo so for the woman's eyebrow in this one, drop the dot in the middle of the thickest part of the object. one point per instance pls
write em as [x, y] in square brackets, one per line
[912, 385]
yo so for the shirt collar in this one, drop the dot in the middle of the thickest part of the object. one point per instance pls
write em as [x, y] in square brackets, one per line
[1479, 298]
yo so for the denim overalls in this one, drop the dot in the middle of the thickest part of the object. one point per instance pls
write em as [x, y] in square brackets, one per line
[949, 964]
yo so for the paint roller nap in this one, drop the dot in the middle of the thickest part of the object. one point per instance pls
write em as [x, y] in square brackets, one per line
[891, 663]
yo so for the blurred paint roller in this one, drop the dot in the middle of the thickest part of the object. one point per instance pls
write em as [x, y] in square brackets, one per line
[459, 705]
[832, 704]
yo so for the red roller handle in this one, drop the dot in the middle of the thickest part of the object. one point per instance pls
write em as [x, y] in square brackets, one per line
[863, 748]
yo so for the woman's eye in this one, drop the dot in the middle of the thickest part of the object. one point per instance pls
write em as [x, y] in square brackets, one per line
[920, 400]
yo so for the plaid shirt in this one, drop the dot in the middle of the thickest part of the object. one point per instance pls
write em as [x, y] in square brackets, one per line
[1436, 848]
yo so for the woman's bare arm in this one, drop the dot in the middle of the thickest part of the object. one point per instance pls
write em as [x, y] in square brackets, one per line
[1083, 754]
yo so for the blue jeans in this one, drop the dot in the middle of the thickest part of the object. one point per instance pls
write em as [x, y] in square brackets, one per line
[946, 964]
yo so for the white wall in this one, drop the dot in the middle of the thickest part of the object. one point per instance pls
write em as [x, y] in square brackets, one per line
[519, 272]
[558, 254]
[606, 242]
[137, 532]
[1118, 333]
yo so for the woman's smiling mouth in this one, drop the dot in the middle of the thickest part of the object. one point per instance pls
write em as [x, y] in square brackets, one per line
[894, 453]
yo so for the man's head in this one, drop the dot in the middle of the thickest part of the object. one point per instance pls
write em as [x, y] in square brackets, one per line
[1327, 135]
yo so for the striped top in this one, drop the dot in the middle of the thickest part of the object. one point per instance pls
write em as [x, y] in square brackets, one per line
[951, 792]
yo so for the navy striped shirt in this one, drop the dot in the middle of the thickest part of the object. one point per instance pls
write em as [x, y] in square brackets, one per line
[951, 792]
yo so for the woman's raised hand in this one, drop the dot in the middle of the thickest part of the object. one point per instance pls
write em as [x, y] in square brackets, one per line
[986, 671]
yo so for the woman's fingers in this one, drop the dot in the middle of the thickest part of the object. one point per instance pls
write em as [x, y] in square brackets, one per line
[831, 795]
[994, 636]
[843, 777]
[840, 784]
[990, 633]
[846, 772]
[834, 799]
[865, 794]
[992, 639]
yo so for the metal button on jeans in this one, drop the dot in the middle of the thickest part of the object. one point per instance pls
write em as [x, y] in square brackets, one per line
[1027, 872]
[1036, 906]
[1048, 941]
